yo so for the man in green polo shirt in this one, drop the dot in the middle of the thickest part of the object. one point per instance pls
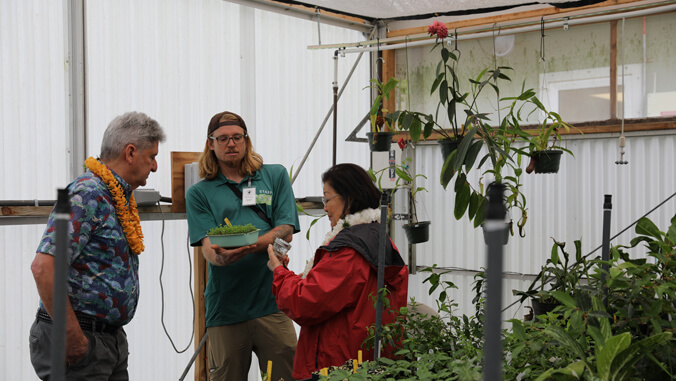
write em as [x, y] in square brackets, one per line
[241, 312]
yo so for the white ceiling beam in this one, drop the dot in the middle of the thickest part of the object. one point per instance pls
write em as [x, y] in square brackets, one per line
[285, 9]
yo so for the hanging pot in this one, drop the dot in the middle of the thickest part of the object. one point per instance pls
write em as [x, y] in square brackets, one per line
[380, 141]
[418, 232]
[503, 237]
[547, 161]
[448, 146]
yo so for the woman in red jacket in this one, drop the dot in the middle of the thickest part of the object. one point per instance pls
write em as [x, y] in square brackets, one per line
[332, 300]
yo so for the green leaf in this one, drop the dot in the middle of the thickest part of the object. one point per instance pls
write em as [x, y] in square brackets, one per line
[447, 171]
[605, 356]
[473, 205]
[647, 227]
[437, 81]
[443, 92]
[461, 201]
[564, 298]
[555, 254]
[564, 338]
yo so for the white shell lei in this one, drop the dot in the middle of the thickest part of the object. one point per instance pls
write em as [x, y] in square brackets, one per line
[364, 216]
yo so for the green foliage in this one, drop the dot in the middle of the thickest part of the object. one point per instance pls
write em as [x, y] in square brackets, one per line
[235, 229]
[617, 327]
[384, 90]
[405, 179]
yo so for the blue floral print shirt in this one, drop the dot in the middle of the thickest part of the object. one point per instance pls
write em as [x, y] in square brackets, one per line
[103, 273]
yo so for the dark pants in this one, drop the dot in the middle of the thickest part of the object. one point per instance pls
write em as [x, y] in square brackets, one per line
[105, 360]
[271, 337]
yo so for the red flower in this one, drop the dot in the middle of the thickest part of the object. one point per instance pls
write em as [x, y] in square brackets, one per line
[402, 143]
[439, 29]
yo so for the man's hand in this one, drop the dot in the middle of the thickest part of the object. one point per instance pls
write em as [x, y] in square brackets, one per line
[224, 257]
[76, 348]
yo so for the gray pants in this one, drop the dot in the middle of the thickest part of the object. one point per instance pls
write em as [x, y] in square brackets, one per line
[105, 360]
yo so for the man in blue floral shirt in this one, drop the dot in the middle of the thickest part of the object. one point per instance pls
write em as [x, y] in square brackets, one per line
[105, 240]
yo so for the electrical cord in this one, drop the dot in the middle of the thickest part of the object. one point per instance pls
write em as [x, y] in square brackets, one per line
[189, 285]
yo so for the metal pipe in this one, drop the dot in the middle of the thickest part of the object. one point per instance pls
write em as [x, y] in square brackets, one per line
[60, 297]
[321, 128]
[381, 274]
[505, 32]
[494, 226]
[605, 250]
[335, 104]
[194, 356]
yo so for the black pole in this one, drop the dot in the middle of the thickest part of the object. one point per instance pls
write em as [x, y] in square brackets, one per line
[494, 227]
[61, 217]
[194, 356]
[335, 104]
[605, 247]
[381, 273]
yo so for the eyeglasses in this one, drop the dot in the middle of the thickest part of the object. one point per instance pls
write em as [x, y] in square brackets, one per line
[224, 140]
[326, 199]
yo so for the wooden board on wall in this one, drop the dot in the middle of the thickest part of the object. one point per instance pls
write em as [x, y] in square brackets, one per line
[201, 275]
[178, 162]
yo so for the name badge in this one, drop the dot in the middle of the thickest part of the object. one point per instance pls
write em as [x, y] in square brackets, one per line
[249, 196]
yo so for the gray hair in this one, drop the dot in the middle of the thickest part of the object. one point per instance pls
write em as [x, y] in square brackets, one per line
[134, 128]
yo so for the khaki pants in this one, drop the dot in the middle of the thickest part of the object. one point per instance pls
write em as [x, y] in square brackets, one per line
[271, 337]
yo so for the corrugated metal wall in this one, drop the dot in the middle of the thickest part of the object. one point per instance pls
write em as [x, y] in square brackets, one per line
[180, 62]
[566, 206]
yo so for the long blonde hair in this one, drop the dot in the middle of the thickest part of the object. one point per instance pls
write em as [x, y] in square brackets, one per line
[208, 163]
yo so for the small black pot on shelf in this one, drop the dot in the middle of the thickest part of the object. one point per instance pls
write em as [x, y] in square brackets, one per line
[547, 161]
[418, 232]
[380, 141]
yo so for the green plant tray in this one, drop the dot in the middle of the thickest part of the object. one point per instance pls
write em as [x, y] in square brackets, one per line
[229, 241]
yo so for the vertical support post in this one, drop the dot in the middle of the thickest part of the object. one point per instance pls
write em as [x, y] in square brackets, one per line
[335, 104]
[61, 217]
[381, 273]
[605, 247]
[494, 227]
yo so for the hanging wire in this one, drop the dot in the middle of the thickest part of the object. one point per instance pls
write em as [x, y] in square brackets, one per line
[408, 81]
[495, 67]
[622, 140]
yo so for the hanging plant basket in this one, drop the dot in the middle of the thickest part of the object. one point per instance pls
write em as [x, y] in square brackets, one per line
[448, 146]
[547, 161]
[380, 141]
[418, 232]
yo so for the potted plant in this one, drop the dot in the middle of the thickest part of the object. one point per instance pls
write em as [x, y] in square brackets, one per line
[382, 125]
[416, 231]
[545, 154]
[447, 87]
[229, 236]
[559, 276]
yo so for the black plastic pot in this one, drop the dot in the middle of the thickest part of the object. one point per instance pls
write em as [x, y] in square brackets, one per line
[418, 232]
[448, 146]
[504, 235]
[547, 161]
[380, 141]
[540, 308]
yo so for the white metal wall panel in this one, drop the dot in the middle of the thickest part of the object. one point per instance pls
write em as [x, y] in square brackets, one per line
[34, 155]
[566, 206]
[180, 62]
